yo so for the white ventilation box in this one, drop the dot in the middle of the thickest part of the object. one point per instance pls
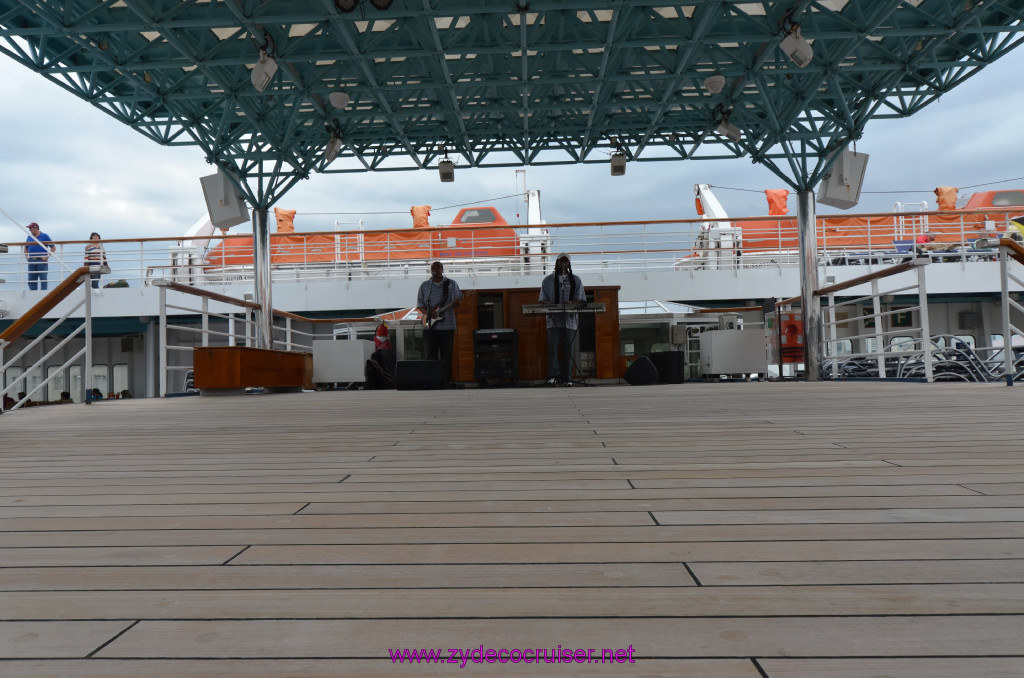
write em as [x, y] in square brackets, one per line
[733, 352]
[340, 361]
[678, 335]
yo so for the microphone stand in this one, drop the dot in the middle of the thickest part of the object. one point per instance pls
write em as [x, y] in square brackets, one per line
[571, 348]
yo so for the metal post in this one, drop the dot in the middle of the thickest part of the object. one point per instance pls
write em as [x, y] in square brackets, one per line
[87, 380]
[926, 332]
[162, 350]
[808, 284]
[876, 308]
[287, 334]
[152, 363]
[261, 279]
[231, 329]
[1004, 280]
[206, 321]
[833, 335]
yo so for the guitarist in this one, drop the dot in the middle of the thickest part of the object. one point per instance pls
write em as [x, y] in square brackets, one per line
[436, 303]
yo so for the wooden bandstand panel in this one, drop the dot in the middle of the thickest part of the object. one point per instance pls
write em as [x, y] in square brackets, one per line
[465, 324]
[606, 333]
[533, 337]
[532, 333]
[235, 367]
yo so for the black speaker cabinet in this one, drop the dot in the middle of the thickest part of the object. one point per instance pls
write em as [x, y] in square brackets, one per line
[671, 366]
[417, 374]
[641, 373]
[495, 354]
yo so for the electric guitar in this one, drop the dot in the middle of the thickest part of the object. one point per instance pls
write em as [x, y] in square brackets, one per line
[429, 321]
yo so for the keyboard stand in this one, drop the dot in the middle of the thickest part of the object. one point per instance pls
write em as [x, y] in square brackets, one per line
[573, 348]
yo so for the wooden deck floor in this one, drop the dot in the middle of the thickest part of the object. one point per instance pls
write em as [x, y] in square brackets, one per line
[720, 530]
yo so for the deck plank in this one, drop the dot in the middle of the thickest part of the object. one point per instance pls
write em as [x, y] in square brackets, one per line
[55, 639]
[376, 668]
[922, 549]
[947, 667]
[654, 638]
[481, 603]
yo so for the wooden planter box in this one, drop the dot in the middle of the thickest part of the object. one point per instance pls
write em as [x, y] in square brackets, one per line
[238, 367]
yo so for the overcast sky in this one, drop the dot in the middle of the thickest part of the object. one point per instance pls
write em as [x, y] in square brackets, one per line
[75, 170]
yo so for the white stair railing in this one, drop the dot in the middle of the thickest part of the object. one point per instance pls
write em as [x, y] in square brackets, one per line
[1011, 308]
[878, 348]
[85, 353]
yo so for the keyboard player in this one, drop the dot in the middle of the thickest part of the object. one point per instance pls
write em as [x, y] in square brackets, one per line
[562, 287]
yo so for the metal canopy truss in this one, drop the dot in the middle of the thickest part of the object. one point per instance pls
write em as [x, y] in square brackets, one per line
[505, 82]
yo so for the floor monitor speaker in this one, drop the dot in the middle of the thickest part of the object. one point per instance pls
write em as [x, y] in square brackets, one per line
[641, 373]
[671, 366]
[418, 374]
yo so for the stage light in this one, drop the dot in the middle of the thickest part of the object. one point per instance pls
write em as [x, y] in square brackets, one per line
[263, 71]
[796, 48]
[339, 99]
[345, 6]
[381, 4]
[730, 131]
[332, 148]
[618, 164]
[713, 84]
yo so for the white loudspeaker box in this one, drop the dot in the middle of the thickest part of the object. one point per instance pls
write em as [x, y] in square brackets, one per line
[840, 188]
[225, 205]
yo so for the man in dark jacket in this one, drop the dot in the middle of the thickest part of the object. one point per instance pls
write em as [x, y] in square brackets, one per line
[562, 287]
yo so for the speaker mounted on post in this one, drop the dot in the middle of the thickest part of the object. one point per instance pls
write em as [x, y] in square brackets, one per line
[223, 201]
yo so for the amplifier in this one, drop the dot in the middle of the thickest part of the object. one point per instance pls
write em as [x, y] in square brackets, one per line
[495, 354]
[491, 342]
[499, 337]
[495, 368]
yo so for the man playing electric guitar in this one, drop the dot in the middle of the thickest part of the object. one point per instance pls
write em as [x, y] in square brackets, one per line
[437, 297]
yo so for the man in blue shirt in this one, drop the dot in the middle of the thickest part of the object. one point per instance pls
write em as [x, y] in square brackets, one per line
[436, 302]
[562, 287]
[38, 256]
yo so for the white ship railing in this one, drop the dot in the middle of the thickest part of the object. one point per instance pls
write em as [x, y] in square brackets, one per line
[638, 246]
